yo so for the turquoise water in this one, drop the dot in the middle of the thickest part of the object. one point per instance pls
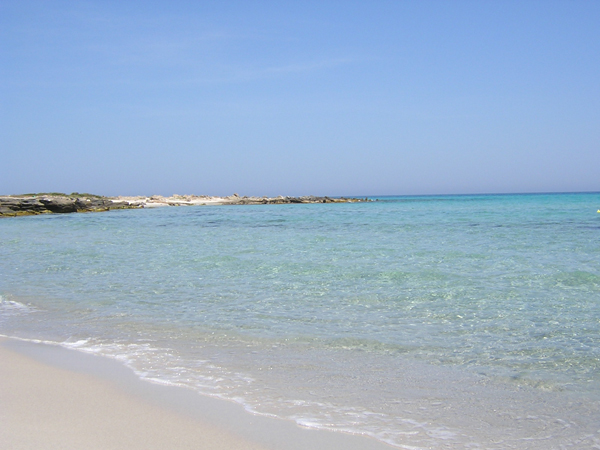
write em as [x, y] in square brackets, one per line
[425, 322]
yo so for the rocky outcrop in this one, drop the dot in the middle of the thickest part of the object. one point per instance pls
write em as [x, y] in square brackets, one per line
[45, 204]
[11, 206]
[237, 200]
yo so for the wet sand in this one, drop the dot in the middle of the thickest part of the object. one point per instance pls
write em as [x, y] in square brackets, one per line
[54, 398]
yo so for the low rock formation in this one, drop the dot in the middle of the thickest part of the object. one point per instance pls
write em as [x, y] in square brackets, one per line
[235, 199]
[282, 200]
[52, 203]
[20, 205]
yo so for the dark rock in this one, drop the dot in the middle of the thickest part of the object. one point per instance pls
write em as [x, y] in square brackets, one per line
[59, 205]
[19, 206]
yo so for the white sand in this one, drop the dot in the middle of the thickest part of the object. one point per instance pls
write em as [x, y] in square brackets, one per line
[45, 407]
[53, 398]
[183, 200]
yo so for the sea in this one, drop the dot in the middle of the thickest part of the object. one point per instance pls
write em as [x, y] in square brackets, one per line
[426, 322]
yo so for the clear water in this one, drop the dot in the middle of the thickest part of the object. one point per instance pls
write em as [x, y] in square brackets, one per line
[425, 322]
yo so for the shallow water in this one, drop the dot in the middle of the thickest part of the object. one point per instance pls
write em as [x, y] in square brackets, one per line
[426, 322]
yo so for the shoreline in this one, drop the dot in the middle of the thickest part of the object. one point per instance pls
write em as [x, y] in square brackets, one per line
[55, 397]
[387, 320]
[57, 203]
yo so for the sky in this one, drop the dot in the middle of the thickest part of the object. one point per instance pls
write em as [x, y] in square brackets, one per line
[300, 97]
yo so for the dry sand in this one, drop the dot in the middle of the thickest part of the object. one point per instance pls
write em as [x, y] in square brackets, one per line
[54, 398]
[45, 407]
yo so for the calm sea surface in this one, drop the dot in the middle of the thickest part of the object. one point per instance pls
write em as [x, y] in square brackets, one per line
[426, 322]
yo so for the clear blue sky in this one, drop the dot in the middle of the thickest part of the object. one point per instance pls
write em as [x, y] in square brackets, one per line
[294, 98]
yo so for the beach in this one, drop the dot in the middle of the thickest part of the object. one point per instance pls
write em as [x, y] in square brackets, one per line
[300, 225]
[56, 398]
[445, 322]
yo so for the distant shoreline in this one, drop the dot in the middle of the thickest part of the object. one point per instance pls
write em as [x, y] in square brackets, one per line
[58, 203]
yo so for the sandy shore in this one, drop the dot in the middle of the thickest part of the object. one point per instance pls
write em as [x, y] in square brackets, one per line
[54, 398]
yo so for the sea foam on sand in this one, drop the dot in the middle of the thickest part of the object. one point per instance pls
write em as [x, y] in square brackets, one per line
[53, 398]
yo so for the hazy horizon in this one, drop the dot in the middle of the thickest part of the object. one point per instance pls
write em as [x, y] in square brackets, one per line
[457, 194]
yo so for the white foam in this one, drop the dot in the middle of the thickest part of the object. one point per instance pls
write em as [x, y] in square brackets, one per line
[165, 366]
[11, 307]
